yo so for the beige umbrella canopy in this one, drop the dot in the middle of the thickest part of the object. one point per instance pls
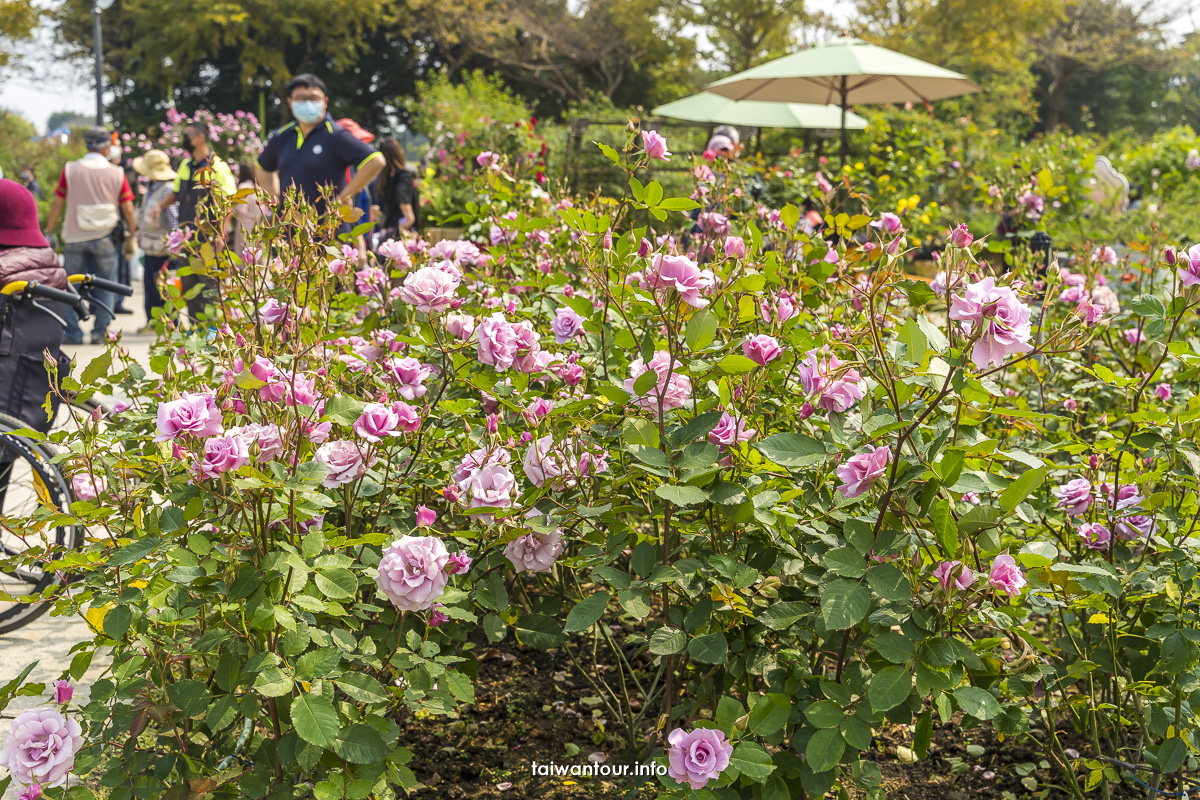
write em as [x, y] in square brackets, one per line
[846, 72]
[713, 108]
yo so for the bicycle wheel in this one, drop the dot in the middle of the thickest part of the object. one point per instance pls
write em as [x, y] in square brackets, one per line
[28, 480]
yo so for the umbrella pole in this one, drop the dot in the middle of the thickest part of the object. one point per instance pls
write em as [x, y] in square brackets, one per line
[844, 144]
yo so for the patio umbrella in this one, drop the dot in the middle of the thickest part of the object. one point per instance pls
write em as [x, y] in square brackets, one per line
[845, 72]
[708, 107]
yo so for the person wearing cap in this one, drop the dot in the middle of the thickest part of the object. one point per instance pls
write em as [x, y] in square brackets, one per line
[313, 152]
[25, 255]
[721, 146]
[92, 197]
[155, 166]
[200, 177]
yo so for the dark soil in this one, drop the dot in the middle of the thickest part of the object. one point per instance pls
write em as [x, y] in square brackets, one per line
[531, 707]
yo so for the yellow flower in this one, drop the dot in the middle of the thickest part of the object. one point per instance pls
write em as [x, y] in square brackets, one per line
[925, 218]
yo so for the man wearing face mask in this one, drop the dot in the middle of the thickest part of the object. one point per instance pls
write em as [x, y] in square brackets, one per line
[201, 176]
[314, 151]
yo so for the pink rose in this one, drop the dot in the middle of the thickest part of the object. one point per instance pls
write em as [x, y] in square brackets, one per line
[272, 312]
[1105, 255]
[713, 223]
[412, 572]
[41, 747]
[823, 184]
[425, 517]
[429, 289]
[493, 486]
[730, 430]
[343, 463]
[268, 439]
[87, 487]
[888, 223]
[676, 389]
[222, 454]
[566, 325]
[1163, 391]
[497, 342]
[395, 251]
[817, 378]
[460, 562]
[536, 410]
[735, 247]
[761, 349]
[192, 414]
[698, 757]
[407, 418]
[862, 470]
[529, 347]
[477, 460]
[1003, 318]
[63, 692]
[377, 421]
[682, 274]
[655, 146]
[960, 236]
[408, 374]
[535, 552]
[1134, 337]
[460, 326]
[954, 571]
[1074, 497]
[1189, 267]
[544, 464]
[1089, 312]
[1005, 576]
[1095, 536]
[778, 310]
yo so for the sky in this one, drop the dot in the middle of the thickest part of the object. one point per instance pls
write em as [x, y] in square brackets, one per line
[49, 83]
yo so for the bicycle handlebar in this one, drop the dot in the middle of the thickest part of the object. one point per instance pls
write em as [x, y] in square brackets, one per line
[90, 281]
[41, 289]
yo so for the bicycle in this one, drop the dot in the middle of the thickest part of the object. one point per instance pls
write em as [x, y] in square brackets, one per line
[29, 477]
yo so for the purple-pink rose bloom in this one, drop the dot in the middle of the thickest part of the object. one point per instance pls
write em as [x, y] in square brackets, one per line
[87, 487]
[1095, 536]
[678, 388]
[409, 375]
[222, 454]
[194, 414]
[655, 146]
[761, 349]
[1189, 267]
[681, 274]
[343, 463]
[412, 572]
[1003, 318]
[735, 247]
[497, 342]
[41, 747]
[947, 572]
[535, 552]
[863, 469]
[425, 516]
[429, 289]
[566, 325]
[492, 486]
[698, 757]
[730, 430]
[816, 378]
[272, 312]
[377, 421]
[1005, 576]
[1074, 497]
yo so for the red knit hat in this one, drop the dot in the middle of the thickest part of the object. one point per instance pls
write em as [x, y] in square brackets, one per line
[19, 217]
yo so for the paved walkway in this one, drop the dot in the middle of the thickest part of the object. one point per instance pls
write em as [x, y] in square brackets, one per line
[49, 640]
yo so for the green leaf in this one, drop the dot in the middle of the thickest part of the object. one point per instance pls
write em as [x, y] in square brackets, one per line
[701, 330]
[844, 603]
[587, 612]
[460, 686]
[681, 495]
[1030, 480]
[895, 647]
[890, 687]
[770, 714]
[640, 432]
[751, 760]
[824, 714]
[494, 628]
[1145, 306]
[609, 153]
[933, 334]
[192, 697]
[97, 369]
[315, 720]
[634, 602]
[923, 733]
[336, 583]
[273, 682]
[359, 744]
[645, 382]
[539, 631]
[735, 364]
[778, 616]
[729, 711]
[945, 528]
[914, 340]
[889, 582]
[362, 687]
[977, 702]
[709, 649]
[317, 664]
[792, 449]
[1172, 754]
[824, 750]
[667, 641]
[918, 292]
[117, 621]
[678, 204]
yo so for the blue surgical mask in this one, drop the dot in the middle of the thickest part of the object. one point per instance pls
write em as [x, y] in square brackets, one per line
[308, 111]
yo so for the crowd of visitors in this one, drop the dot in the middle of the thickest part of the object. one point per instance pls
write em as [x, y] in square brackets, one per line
[113, 212]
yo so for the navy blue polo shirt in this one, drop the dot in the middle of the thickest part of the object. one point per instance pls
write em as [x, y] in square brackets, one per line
[314, 161]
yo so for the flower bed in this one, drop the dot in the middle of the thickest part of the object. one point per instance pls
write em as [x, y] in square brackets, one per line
[793, 496]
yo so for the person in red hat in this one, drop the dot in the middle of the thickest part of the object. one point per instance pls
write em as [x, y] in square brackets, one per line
[28, 331]
[25, 255]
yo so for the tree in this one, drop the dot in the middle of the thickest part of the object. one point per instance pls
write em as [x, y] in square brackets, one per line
[18, 20]
[990, 41]
[1089, 37]
[744, 33]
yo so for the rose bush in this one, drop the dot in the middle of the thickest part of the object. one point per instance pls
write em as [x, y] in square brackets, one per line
[796, 493]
